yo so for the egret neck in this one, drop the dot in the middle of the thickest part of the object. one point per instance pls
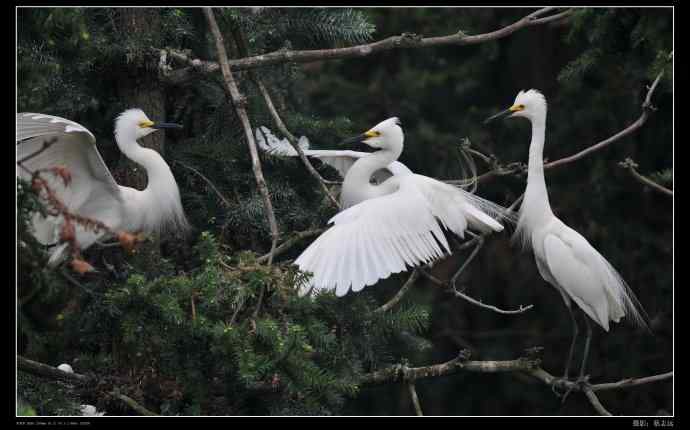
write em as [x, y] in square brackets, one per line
[535, 209]
[357, 179]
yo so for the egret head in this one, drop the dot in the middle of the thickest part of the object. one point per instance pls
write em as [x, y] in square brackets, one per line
[384, 135]
[529, 104]
[134, 123]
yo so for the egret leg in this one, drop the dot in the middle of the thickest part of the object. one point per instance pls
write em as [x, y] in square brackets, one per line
[586, 352]
[582, 379]
[569, 361]
[576, 331]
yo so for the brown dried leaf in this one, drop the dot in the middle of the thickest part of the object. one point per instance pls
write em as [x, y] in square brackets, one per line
[64, 173]
[67, 232]
[81, 266]
[128, 241]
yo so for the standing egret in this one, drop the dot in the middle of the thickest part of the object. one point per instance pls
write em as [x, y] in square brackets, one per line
[341, 160]
[397, 223]
[564, 258]
[93, 192]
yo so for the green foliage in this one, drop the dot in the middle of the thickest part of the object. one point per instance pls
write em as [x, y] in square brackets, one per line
[232, 337]
[185, 334]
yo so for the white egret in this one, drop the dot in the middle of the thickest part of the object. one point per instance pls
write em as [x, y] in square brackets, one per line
[564, 258]
[93, 192]
[397, 223]
[341, 160]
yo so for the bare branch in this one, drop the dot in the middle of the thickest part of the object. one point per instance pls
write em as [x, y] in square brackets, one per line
[630, 165]
[225, 201]
[293, 142]
[132, 403]
[415, 398]
[239, 103]
[291, 242]
[646, 109]
[594, 400]
[450, 287]
[481, 304]
[46, 144]
[527, 364]
[392, 302]
[403, 41]
[46, 371]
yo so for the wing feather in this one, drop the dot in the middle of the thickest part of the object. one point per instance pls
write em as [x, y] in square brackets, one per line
[577, 279]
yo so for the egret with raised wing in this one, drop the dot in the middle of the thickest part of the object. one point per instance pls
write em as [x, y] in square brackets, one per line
[340, 160]
[395, 224]
[45, 141]
[564, 258]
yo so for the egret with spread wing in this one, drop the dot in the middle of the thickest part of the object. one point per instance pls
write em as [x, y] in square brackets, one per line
[564, 258]
[93, 192]
[396, 224]
[341, 160]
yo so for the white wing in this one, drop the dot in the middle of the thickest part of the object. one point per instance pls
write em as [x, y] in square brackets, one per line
[92, 192]
[339, 160]
[383, 235]
[589, 279]
[577, 278]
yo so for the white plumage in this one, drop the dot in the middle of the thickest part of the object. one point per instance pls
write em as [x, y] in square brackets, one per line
[397, 224]
[93, 192]
[341, 160]
[564, 258]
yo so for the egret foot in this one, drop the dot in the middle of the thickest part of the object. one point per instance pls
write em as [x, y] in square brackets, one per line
[560, 384]
[581, 383]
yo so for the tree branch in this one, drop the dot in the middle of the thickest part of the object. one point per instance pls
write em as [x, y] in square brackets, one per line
[239, 103]
[403, 41]
[291, 242]
[630, 165]
[46, 371]
[528, 364]
[392, 302]
[132, 403]
[647, 108]
[225, 201]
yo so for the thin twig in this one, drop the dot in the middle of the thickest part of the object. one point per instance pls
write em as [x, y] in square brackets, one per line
[225, 201]
[630, 165]
[399, 295]
[291, 242]
[293, 142]
[46, 144]
[241, 43]
[479, 303]
[647, 108]
[449, 286]
[239, 103]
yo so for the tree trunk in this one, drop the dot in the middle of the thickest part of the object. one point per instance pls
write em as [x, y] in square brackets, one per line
[139, 86]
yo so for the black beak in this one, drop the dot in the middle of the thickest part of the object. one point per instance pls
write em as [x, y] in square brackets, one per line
[160, 125]
[356, 139]
[498, 115]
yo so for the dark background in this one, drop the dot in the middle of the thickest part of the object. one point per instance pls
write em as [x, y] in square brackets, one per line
[593, 70]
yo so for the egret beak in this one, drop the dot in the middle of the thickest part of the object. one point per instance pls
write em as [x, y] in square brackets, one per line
[159, 125]
[359, 138]
[498, 115]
